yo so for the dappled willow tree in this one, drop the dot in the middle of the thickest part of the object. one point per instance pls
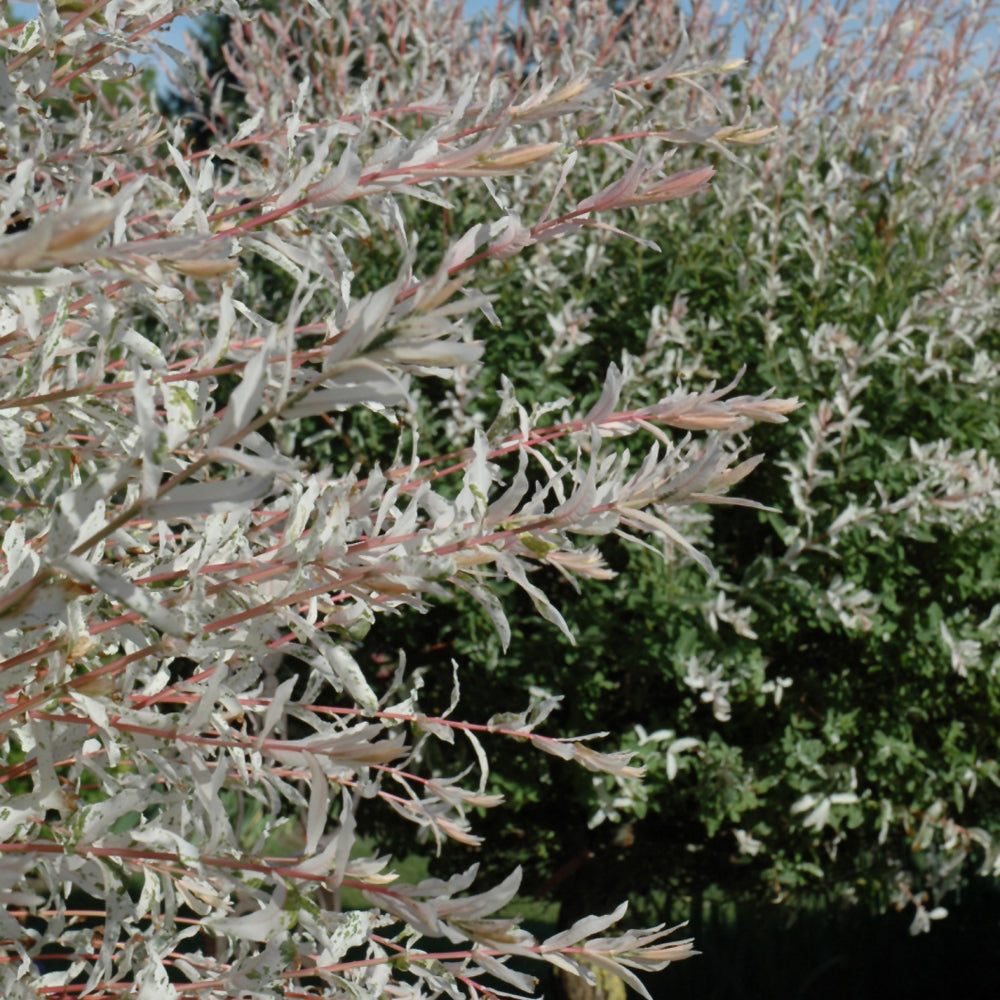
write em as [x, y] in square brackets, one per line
[189, 746]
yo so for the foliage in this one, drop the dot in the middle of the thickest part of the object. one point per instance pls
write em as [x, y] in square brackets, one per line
[819, 718]
[189, 745]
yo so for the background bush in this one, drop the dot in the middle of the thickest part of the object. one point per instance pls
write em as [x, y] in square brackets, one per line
[818, 718]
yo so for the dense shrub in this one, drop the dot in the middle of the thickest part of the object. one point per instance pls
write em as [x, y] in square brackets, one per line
[817, 716]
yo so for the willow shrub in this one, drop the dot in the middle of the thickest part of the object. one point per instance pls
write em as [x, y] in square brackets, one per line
[817, 715]
[189, 745]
